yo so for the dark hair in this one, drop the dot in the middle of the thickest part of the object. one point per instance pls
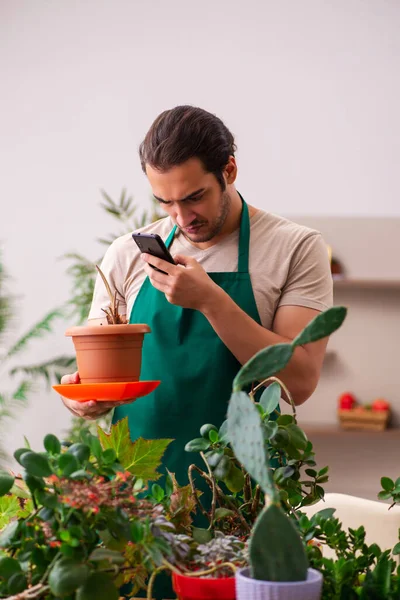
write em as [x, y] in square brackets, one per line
[186, 132]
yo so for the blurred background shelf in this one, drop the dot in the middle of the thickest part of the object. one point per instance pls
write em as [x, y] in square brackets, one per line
[346, 283]
[357, 459]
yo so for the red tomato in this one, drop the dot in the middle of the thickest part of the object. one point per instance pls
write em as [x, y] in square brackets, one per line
[380, 404]
[347, 401]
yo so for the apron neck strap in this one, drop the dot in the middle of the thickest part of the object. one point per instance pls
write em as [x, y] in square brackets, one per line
[171, 236]
[244, 239]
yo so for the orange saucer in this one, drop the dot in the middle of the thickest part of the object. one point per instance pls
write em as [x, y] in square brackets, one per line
[127, 390]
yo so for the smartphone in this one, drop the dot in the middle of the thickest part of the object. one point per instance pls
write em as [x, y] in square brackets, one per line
[151, 243]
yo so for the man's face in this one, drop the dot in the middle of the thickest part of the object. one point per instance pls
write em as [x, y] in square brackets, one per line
[193, 199]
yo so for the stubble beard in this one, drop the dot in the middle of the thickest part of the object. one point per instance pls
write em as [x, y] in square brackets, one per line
[216, 225]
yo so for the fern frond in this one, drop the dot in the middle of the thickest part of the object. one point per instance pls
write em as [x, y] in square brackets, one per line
[37, 331]
[22, 391]
[51, 370]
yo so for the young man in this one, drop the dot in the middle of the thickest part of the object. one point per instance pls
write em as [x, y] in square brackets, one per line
[244, 279]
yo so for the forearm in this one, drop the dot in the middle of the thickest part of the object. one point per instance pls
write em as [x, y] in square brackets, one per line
[244, 338]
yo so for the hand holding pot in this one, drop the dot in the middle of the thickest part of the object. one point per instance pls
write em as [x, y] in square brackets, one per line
[91, 409]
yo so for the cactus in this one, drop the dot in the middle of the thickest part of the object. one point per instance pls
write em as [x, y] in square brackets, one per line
[276, 550]
[273, 359]
[247, 438]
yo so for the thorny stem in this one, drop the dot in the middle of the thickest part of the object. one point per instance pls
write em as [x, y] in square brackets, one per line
[30, 593]
[246, 487]
[256, 500]
[214, 491]
[283, 386]
[196, 498]
[233, 507]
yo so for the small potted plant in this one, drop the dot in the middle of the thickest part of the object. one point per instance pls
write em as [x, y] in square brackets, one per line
[279, 568]
[109, 353]
[208, 570]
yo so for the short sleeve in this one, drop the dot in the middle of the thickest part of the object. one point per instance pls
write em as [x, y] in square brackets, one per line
[309, 281]
[112, 271]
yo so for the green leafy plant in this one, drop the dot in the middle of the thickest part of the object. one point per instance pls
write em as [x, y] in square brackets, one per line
[21, 380]
[359, 570]
[79, 526]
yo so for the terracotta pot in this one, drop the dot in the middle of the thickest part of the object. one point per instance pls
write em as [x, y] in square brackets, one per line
[108, 353]
[198, 588]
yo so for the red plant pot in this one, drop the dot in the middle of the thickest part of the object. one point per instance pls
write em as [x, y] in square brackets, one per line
[197, 588]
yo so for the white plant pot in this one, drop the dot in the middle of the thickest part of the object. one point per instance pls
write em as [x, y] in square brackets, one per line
[254, 589]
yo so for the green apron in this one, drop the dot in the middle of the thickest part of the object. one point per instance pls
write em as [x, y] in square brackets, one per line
[195, 367]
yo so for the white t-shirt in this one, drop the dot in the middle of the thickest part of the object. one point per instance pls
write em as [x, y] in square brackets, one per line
[288, 265]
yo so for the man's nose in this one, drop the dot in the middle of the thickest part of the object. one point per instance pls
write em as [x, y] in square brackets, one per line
[184, 215]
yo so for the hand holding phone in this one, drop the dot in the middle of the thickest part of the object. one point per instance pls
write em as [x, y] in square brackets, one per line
[151, 243]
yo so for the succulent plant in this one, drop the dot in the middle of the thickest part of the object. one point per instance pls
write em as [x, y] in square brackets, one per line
[276, 550]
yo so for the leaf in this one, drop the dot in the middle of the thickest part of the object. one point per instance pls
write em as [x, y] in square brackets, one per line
[8, 534]
[80, 451]
[197, 445]
[157, 492]
[223, 433]
[270, 397]
[6, 482]
[19, 452]
[322, 326]
[284, 420]
[264, 364]
[234, 480]
[387, 484]
[52, 444]
[66, 576]
[297, 436]
[98, 586]
[325, 513]
[182, 504]
[142, 457]
[9, 566]
[17, 583]
[396, 549]
[68, 464]
[221, 513]
[213, 435]
[201, 536]
[384, 495]
[36, 464]
[205, 430]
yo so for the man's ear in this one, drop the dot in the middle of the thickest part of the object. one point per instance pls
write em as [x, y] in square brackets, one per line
[230, 171]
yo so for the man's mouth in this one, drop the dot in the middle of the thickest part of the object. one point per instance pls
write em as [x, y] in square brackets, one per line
[193, 228]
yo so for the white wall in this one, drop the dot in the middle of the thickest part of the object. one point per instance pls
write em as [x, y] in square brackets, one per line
[311, 90]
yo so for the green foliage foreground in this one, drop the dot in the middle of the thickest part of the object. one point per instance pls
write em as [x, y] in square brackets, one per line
[81, 521]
